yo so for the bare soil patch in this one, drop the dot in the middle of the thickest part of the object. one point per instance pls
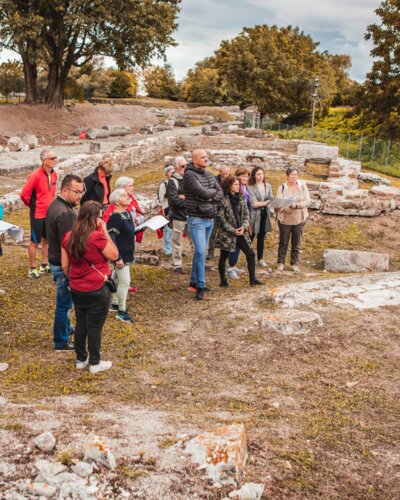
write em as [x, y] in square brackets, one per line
[49, 123]
[321, 410]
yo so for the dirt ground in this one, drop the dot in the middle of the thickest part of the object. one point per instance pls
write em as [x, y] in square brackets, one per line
[52, 124]
[321, 410]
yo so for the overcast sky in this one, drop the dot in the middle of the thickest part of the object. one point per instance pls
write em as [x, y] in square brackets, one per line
[339, 26]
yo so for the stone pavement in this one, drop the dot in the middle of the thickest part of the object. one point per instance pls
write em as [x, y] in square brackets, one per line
[362, 292]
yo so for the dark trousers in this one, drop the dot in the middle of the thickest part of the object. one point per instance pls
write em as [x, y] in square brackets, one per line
[91, 309]
[261, 235]
[285, 233]
[242, 245]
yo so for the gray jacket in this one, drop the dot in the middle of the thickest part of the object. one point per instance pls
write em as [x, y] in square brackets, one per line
[202, 192]
[255, 216]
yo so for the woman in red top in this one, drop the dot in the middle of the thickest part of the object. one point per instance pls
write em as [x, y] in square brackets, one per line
[85, 253]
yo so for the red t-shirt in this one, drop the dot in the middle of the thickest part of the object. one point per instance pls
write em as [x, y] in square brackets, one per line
[82, 277]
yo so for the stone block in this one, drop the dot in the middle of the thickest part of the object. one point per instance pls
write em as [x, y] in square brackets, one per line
[45, 441]
[292, 321]
[147, 129]
[30, 139]
[384, 192]
[115, 130]
[94, 147]
[96, 133]
[15, 143]
[311, 150]
[221, 452]
[351, 261]
[97, 450]
[374, 178]
[41, 490]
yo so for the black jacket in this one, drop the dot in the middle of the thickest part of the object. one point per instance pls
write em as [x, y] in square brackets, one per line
[60, 218]
[176, 204]
[202, 192]
[94, 189]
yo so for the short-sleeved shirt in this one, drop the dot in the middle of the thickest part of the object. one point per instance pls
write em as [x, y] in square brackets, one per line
[82, 277]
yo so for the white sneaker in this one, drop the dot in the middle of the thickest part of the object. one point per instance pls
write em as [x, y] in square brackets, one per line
[80, 365]
[280, 267]
[295, 268]
[232, 273]
[239, 269]
[262, 263]
[101, 367]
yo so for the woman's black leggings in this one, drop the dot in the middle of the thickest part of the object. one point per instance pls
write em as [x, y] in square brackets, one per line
[250, 256]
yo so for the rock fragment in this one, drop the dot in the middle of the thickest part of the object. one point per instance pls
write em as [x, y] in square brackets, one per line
[45, 441]
[292, 321]
[352, 261]
[249, 491]
[83, 469]
[4, 367]
[98, 451]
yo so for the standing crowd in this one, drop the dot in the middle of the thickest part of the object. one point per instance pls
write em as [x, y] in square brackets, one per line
[227, 212]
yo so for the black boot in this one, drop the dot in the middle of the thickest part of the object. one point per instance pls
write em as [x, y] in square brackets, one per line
[224, 283]
[255, 282]
[200, 294]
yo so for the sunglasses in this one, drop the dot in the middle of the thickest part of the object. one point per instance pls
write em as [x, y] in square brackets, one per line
[51, 158]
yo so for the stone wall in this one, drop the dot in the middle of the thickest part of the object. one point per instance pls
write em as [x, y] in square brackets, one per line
[145, 151]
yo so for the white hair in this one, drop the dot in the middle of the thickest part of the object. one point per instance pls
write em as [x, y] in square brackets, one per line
[43, 153]
[115, 196]
[123, 182]
[178, 159]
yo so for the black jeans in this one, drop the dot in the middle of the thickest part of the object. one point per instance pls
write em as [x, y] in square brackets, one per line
[250, 257]
[91, 309]
[261, 235]
[285, 232]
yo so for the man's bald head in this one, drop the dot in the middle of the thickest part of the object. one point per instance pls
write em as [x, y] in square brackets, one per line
[224, 172]
[199, 158]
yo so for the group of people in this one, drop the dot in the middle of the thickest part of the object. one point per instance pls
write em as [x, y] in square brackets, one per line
[226, 212]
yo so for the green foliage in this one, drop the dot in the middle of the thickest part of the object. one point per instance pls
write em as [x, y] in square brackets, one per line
[160, 83]
[123, 85]
[379, 96]
[66, 33]
[11, 77]
[72, 90]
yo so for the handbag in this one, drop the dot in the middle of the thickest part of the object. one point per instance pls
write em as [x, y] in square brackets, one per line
[109, 281]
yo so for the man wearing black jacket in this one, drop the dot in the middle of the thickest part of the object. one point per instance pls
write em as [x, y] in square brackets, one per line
[202, 192]
[97, 184]
[60, 218]
[177, 214]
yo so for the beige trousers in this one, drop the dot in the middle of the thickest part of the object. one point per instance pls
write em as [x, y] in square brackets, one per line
[178, 228]
[124, 280]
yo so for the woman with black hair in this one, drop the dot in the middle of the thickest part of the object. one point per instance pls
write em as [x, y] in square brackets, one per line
[233, 221]
[84, 258]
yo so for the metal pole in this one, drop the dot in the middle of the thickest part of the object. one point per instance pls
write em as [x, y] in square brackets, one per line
[348, 146]
[314, 96]
[373, 151]
[387, 153]
[360, 148]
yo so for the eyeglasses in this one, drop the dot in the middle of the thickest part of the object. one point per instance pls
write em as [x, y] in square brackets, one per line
[51, 158]
[81, 193]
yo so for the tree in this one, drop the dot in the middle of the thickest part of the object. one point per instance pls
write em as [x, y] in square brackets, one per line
[66, 33]
[160, 83]
[123, 85]
[380, 94]
[11, 78]
[273, 68]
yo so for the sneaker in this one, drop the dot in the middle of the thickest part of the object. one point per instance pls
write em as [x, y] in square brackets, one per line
[67, 347]
[239, 269]
[200, 294]
[132, 289]
[80, 365]
[262, 263]
[114, 307]
[295, 268]
[101, 367]
[232, 273]
[256, 282]
[43, 269]
[124, 316]
[33, 273]
[280, 267]
[192, 287]
[179, 270]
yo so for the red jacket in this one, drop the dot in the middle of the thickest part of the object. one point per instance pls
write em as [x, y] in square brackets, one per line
[111, 207]
[39, 191]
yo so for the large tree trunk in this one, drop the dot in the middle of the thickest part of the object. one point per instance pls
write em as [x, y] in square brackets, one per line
[56, 81]
[30, 76]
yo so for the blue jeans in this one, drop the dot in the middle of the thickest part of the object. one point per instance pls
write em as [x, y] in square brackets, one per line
[62, 326]
[167, 240]
[200, 230]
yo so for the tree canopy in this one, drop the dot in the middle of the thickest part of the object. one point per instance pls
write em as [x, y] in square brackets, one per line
[160, 82]
[65, 33]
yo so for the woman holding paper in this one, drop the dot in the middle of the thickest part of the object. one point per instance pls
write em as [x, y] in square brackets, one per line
[122, 231]
[260, 193]
[291, 219]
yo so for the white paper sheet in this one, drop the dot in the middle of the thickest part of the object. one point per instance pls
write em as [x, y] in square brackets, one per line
[14, 232]
[154, 223]
[283, 202]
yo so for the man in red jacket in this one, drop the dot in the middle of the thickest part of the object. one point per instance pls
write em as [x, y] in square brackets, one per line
[38, 192]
